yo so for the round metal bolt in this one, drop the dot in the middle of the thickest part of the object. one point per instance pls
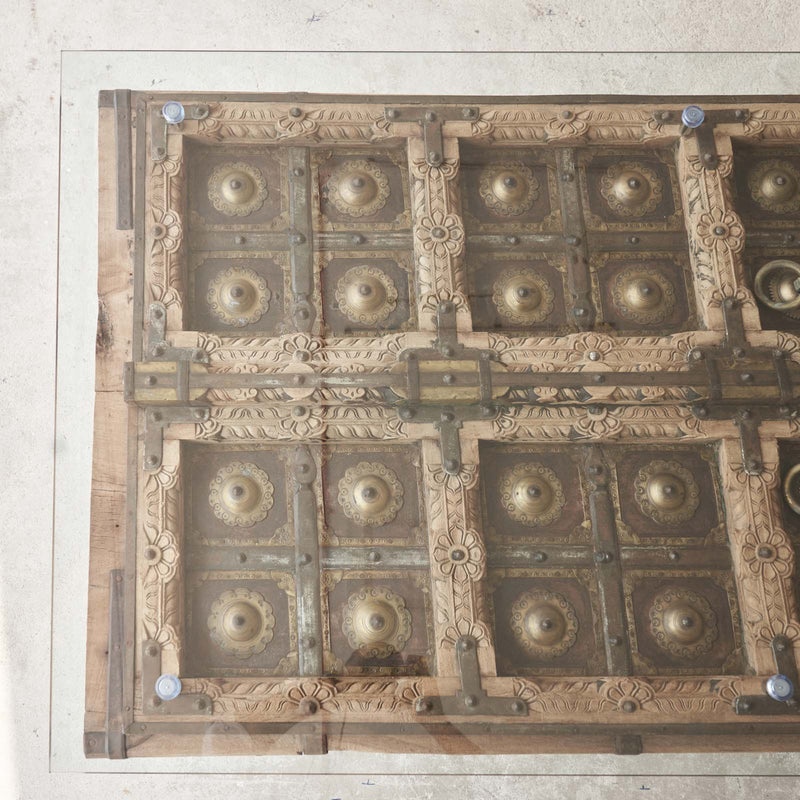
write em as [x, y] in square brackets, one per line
[298, 172]
[603, 557]
[470, 701]
[778, 353]
[308, 706]
[434, 157]
[303, 469]
[517, 706]
[448, 350]
[739, 113]
[445, 307]
[539, 556]
[745, 413]
[304, 558]
[309, 642]
[664, 116]
[745, 705]
[157, 313]
[447, 416]
[579, 311]
[487, 411]
[512, 239]
[697, 355]
[298, 411]
[239, 240]
[566, 114]
[766, 552]
[780, 645]
[392, 113]
[200, 704]
[599, 378]
[155, 701]
[150, 380]
[423, 705]
[152, 651]
[357, 238]
[729, 303]
[720, 230]
[299, 380]
[241, 558]
[200, 111]
[738, 352]
[374, 556]
[747, 377]
[593, 409]
[430, 116]
[753, 465]
[199, 413]
[157, 416]
[573, 240]
[701, 411]
[788, 237]
[406, 413]
[465, 644]
[674, 555]
[709, 158]
[298, 238]
[614, 641]
[633, 240]
[451, 464]
[468, 113]
[567, 177]
[160, 152]
[159, 350]
[151, 461]
[628, 706]
[302, 313]
[295, 112]
[448, 379]
[594, 469]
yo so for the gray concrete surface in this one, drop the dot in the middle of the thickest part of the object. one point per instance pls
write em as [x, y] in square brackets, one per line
[40, 743]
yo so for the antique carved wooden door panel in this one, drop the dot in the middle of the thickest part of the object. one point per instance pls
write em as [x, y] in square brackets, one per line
[445, 427]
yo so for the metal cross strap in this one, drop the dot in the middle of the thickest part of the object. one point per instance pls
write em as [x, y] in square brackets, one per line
[430, 119]
[471, 699]
[782, 695]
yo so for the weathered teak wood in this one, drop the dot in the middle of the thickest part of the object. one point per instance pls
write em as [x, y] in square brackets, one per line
[444, 382]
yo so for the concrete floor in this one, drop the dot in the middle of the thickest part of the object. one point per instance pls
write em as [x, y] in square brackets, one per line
[40, 742]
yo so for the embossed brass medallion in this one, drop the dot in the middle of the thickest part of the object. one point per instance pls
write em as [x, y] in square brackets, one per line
[522, 296]
[241, 622]
[238, 296]
[376, 622]
[241, 494]
[667, 492]
[358, 188]
[775, 186]
[531, 494]
[544, 623]
[370, 494]
[631, 189]
[683, 623]
[366, 295]
[237, 189]
[508, 189]
[645, 296]
[776, 285]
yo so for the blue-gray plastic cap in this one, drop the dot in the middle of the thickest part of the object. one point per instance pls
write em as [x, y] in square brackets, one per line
[173, 112]
[693, 116]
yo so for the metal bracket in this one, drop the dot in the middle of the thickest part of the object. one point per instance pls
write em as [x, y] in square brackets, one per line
[471, 699]
[159, 349]
[628, 744]
[184, 704]
[115, 746]
[704, 134]
[301, 247]
[158, 127]
[156, 419]
[430, 120]
[763, 704]
[122, 111]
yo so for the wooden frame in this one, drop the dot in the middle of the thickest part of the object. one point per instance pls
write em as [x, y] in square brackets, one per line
[133, 508]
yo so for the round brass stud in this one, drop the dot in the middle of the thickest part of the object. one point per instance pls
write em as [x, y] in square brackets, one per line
[631, 189]
[683, 623]
[370, 494]
[241, 622]
[776, 285]
[238, 296]
[775, 186]
[508, 189]
[531, 494]
[366, 295]
[376, 622]
[358, 188]
[544, 623]
[522, 296]
[666, 492]
[643, 295]
[241, 494]
[237, 189]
